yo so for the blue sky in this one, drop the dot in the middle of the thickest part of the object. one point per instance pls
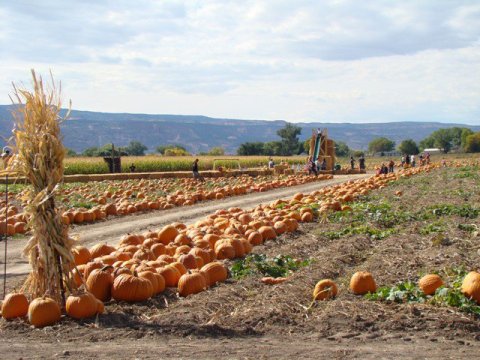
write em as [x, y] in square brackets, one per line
[331, 61]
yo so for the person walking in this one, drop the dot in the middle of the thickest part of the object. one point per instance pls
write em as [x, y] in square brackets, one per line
[196, 174]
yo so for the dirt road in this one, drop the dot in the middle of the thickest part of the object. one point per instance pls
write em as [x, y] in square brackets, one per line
[111, 230]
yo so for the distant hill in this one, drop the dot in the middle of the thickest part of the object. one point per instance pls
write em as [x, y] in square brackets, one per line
[86, 129]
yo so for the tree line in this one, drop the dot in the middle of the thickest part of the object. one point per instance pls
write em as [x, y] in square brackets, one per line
[458, 138]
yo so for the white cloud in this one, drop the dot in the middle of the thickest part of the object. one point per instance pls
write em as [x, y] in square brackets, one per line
[302, 60]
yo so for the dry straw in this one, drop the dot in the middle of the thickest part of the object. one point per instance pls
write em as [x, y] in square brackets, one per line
[39, 155]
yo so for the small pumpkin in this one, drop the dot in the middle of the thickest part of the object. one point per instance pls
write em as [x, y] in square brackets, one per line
[362, 282]
[430, 283]
[44, 311]
[325, 289]
[14, 305]
[268, 280]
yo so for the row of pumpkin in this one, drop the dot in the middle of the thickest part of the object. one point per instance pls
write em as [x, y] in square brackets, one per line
[362, 282]
[114, 198]
[188, 257]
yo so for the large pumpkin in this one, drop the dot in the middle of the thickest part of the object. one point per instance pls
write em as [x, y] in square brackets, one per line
[325, 289]
[167, 234]
[171, 275]
[216, 272]
[44, 311]
[81, 255]
[430, 283]
[471, 286]
[362, 282]
[83, 305]
[99, 283]
[14, 305]
[191, 283]
[131, 288]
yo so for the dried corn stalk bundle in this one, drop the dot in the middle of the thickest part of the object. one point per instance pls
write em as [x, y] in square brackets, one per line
[39, 155]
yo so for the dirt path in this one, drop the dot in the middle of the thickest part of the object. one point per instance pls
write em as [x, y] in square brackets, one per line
[111, 230]
[313, 346]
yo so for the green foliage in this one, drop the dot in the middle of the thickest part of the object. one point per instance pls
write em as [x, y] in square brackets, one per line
[409, 147]
[465, 210]
[216, 151]
[341, 149]
[381, 144]
[358, 153]
[436, 226]
[272, 148]
[290, 143]
[355, 229]
[177, 149]
[250, 148]
[279, 266]
[71, 152]
[135, 148]
[408, 292]
[446, 139]
[472, 143]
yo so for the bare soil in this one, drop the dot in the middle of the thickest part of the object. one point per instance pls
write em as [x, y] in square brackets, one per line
[245, 319]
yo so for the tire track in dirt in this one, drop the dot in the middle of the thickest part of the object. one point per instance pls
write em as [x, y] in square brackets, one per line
[111, 230]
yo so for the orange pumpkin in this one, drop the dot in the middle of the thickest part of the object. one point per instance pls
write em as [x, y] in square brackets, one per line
[362, 282]
[44, 311]
[325, 289]
[99, 283]
[471, 286]
[216, 272]
[14, 305]
[430, 283]
[131, 288]
[191, 283]
[81, 306]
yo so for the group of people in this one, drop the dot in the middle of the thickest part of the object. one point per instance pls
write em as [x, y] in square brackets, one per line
[406, 161]
[314, 166]
[361, 162]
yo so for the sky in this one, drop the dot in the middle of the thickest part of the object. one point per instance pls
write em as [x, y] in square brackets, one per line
[300, 61]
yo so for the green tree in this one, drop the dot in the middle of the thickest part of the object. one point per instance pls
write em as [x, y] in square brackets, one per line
[272, 148]
[71, 152]
[409, 147]
[176, 151]
[250, 148]
[290, 142]
[357, 153]
[135, 148]
[427, 143]
[216, 151]
[381, 144]
[341, 149]
[465, 133]
[162, 148]
[91, 151]
[442, 139]
[472, 143]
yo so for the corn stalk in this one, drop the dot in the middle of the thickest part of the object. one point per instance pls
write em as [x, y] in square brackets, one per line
[39, 155]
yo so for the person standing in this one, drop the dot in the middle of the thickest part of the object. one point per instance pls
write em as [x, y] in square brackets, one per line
[352, 163]
[412, 160]
[391, 165]
[196, 174]
[361, 162]
[271, 164]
